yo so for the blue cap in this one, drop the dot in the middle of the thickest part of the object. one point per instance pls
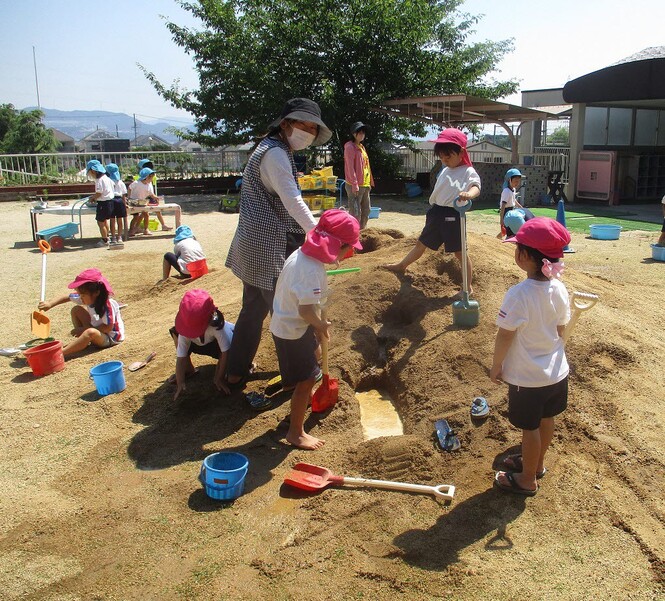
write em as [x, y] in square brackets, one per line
[182, 232]
[95, 165]
[514, 220]
[113, 172]
[143, 163]
[510, 174]
[145, 172]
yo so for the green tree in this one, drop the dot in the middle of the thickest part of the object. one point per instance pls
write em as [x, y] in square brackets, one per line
[559, 137]
[348, 55]
[24, 132]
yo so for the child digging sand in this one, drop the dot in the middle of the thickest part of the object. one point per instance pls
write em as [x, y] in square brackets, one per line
[96, 316]
[200, 328]
[442, 225]
[296, 322]
[529, 352]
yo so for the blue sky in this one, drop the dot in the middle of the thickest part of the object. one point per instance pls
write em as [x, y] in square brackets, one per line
[78, 69]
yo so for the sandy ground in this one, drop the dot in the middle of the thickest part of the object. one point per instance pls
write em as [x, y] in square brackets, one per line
[100, 498]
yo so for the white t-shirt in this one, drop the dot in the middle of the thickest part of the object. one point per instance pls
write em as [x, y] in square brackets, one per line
[534, 309]
[119, 188]
[450, 182]
[111, 316]
[223, 337]
[188, 251]
[303, 281]
[140, 191]
[104, 185]
[277, 177]
[507, 198]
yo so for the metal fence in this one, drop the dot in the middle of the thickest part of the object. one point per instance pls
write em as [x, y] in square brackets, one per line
[422, 161]
[64, 167]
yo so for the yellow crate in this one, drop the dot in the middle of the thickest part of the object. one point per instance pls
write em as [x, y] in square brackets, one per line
[316, 203]
[306, 182]
[323, 172]
[331, 183]
[319, 183]
[328, 203]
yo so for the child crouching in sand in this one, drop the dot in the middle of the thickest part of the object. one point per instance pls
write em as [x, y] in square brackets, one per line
[186, 249]
[296, 323]
[200, 328]
[529, 353]
[96, 316]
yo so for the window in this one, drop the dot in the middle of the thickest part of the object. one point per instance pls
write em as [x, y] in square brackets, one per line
[620, 127]
[646, 127]
[595, 126]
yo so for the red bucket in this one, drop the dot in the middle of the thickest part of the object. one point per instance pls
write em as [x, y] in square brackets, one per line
[45, 359]
[197, 268]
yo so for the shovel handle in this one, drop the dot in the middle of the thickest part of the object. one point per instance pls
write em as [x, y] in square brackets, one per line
[582, 301]
[324, 345]
[442, 491]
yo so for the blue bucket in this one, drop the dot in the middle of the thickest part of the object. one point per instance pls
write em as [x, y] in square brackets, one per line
[108, 377]
[605, 231]
[223, 475]
[374, 212]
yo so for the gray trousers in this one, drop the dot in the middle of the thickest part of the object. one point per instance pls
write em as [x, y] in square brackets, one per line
[359, 204]
[256, 304]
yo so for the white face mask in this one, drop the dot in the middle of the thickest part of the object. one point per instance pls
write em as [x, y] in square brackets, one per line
[299, 139]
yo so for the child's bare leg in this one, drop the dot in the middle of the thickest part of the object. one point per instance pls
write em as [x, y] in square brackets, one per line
[103, 229]
[531, 450]
[165, 227]
[87, 337]
[413, 255]
[469, 269]
[299, 401]
[146, 224]
[166, 270]
[112, 225]
[546, 435]
[80, 317]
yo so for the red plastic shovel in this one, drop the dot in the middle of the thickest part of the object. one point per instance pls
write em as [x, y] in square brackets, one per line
[306, 476]
[325, 396]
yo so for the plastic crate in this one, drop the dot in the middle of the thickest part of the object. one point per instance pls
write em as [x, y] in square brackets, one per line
[323, 172]
[306, 182]
[316, 203]
[319, 183]
[331, 183]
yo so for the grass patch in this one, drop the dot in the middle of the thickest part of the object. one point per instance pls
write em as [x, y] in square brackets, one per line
[579, 222]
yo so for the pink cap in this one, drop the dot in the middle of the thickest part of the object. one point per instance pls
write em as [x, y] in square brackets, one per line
[452, 135]
[545, 235]
[335, 228]
[196, 309]
[91, 276]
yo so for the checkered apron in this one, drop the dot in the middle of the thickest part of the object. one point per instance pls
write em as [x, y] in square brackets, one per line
[258, 249]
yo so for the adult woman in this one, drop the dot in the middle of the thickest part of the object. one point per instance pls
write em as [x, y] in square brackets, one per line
[358, 174]
[272, 223]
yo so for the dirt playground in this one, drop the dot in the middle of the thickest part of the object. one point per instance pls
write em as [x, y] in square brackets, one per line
[100, 498]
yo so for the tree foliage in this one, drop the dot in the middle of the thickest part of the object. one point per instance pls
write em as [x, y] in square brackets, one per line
[24, 132]
[348, 55]
[559, 137]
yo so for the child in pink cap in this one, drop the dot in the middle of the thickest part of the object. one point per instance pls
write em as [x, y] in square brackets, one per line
[529, 352]
[296, 323]
[96, 316]
[200, 328]
[442, 224]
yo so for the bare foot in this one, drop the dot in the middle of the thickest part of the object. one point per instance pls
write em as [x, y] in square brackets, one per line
[147, 233]
[305, 441]
[396, 267]
[166, 228]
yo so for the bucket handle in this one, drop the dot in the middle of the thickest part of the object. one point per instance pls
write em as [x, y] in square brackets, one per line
[464, 207]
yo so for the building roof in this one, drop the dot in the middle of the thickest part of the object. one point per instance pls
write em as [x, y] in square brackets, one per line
[98, 134]
[61, 136]
[150, 140]
[638, 80]
[454, 109]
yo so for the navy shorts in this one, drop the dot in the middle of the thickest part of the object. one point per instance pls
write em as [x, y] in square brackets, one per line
[442, 226]
[119, 207]
[297, 361]
[104, 210]
[527, 406]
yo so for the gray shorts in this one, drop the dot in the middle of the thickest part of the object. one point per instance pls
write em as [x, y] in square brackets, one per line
[297, 361]
[442, 226]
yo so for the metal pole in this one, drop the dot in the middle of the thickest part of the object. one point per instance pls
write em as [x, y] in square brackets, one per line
[34, 60]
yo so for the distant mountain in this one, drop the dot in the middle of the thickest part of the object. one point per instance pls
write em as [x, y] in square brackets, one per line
[79, 124]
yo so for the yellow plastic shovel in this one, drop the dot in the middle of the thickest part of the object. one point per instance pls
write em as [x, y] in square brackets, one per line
[39, 322]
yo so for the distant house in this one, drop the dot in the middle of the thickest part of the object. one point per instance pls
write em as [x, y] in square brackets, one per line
[487, 152]
[67, 143]
[151, 141]
[101, 140]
